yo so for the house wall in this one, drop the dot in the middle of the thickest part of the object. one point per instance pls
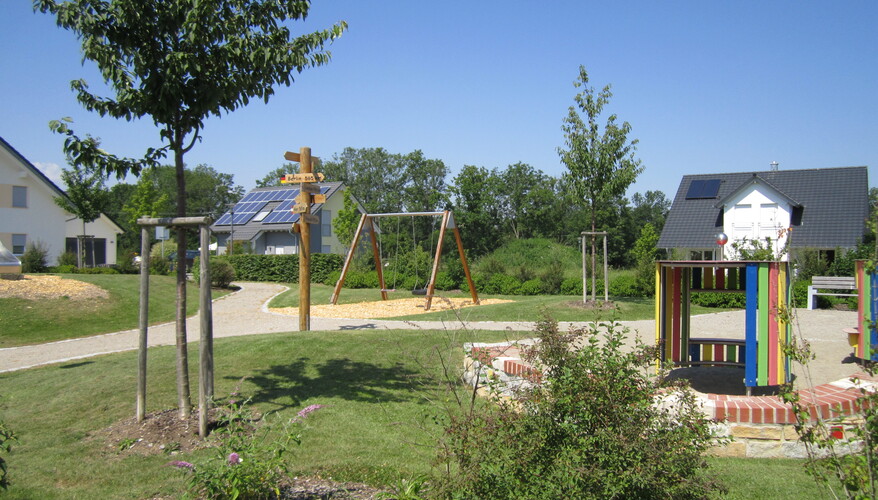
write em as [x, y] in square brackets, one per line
[41, 220]
[757, 213]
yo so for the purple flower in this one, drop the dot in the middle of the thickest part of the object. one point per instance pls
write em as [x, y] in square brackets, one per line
[181, 464]
[234, 459]
[308, 410]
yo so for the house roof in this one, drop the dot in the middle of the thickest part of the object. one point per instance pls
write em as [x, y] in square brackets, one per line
[41, 176]
[834, 204]
[277, 201]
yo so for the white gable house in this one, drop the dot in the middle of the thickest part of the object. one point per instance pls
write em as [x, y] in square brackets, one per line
[821, 209]
[29, 214]
[757, 211]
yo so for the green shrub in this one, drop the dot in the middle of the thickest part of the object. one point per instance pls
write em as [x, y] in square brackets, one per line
[159, 265]
[332, 278]
[67, 259]
[590, 429]
[502, 284]
[34, 258]
[800, 292]
[490, 265]
[97, 270]
[571, 286]
[810, 262]
[553, 277]
[625, 285]
[531, 287]
[444, 281]
[65, 269]
[524, 273]
[480, 280]
[125, 264]
[221, 273]
[716, 299]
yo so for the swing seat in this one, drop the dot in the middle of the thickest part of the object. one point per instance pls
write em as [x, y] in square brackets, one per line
[388, 289]
[419, 291]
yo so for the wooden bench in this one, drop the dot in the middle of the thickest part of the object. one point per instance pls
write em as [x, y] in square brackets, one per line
[830, 283]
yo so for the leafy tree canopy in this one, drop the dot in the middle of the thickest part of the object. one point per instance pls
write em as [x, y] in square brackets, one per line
[179, 62]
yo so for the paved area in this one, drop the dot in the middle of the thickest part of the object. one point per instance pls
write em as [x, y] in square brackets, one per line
[245, 313]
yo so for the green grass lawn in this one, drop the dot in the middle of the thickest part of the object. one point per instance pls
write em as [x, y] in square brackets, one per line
[522, 308]
[37, 321]
[380, 388]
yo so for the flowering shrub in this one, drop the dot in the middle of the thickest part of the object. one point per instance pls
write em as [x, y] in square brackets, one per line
[250, 457]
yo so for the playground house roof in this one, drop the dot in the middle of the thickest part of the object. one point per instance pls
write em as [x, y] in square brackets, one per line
[830, 206]
[267, 209]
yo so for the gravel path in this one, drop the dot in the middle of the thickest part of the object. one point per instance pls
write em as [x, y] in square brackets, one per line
[245, 312]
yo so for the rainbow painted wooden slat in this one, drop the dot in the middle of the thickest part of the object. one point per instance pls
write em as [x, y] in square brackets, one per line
[766, 286]
[866, 346]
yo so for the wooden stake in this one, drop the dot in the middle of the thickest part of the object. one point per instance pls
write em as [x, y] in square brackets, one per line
[144, 323]
[205, 346]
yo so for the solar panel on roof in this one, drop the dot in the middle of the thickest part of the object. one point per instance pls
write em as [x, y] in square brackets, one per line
[244, 211]
[700, 189]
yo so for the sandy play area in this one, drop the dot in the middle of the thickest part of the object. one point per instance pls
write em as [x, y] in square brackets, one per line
[385, 308]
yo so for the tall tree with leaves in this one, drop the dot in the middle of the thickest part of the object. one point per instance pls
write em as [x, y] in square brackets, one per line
[87, 198]
[179, 62]
[600, 160]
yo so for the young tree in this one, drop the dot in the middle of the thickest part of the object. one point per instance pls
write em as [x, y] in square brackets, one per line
[179, 62]
[86, 199]
[147, 200]
[600, 162]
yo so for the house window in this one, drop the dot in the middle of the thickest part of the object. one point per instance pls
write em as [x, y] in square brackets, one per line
[326, 223]
[19, 196]
[19, 241]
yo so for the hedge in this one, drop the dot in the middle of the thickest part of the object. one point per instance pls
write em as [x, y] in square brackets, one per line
[279, 268]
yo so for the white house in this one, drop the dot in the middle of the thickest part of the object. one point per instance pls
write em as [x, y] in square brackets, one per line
[29, 214]
[823, 209]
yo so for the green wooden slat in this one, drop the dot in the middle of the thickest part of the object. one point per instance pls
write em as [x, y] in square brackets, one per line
[762, 326]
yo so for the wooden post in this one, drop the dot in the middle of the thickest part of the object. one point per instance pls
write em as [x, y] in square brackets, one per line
[205, 347]
[376, 256]
[143, 323]
[432, 285]
[305, 247]
[469, 279]
[347, 261]
[606, 273]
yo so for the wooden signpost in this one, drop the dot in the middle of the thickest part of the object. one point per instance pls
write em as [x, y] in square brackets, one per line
[308, 193]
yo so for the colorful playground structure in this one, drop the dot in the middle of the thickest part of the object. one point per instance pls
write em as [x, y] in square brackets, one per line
[766, 286]
[864, 336]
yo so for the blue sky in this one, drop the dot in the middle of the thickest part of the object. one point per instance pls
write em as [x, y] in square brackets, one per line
[706, 86]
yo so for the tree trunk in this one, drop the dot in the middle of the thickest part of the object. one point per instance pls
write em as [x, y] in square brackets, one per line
[183, 400]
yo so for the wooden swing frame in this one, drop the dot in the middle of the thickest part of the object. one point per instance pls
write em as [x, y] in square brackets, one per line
[447, 223]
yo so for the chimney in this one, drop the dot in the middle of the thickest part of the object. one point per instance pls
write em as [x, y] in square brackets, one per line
[774, 165]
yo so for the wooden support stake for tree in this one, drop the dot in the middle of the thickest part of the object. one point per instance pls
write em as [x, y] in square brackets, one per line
[205, 347]
[143, 323]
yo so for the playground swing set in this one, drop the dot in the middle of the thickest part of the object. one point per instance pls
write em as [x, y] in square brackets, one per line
[367, 222]
[766, 285]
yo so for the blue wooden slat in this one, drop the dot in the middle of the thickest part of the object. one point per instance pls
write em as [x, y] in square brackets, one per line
[750, 348]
